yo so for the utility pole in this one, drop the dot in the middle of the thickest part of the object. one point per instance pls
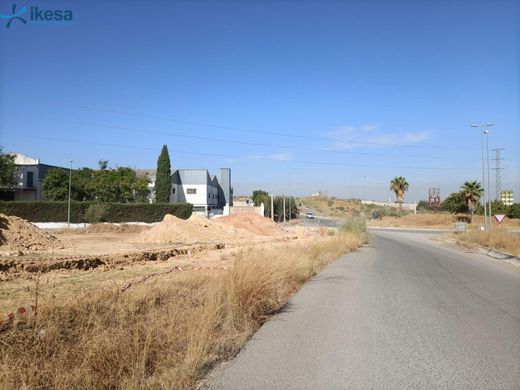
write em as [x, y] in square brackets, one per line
[498, 176]
[70, 187]
[272, 208]
[284, 209]
[289, 207]
[364, 187]
[485, 190]
[488, 186]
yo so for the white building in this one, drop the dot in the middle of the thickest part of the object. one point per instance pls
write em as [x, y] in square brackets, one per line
[507, 197]
[205, 192]
[30, 174]
[150, 174]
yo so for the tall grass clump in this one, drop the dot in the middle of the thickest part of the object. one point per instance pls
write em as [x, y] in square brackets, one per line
[355, 225]
[165, 333]
[499, 239]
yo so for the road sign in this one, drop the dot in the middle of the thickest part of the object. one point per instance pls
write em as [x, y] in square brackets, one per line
[499, 217]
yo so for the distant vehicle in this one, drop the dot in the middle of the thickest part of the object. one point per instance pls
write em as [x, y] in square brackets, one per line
[310, 215]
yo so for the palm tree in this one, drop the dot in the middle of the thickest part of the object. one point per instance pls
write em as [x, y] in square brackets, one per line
[472, 192]
[399, 185]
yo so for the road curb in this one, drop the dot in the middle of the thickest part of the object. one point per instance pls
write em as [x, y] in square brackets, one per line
[498, 255]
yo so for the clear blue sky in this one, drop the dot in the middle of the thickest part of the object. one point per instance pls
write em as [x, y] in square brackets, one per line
[378, 73]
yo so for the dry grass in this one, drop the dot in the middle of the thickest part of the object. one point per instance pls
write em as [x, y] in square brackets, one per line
[419, 220]
[499, 239]
[331, 206]
[439, 220]
[166, 333]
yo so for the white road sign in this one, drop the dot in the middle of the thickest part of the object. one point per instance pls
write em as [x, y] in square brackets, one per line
[499, 217]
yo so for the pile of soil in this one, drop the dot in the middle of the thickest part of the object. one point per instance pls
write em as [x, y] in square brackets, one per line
[252, 222]
[112, 228]
[17, 234]
[194, 229]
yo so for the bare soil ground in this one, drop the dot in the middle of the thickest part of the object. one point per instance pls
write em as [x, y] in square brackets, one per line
[107, 256]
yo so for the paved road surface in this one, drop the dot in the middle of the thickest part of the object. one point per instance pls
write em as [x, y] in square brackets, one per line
[399, 314]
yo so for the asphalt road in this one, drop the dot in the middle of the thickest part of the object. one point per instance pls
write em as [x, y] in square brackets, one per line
[398, 314]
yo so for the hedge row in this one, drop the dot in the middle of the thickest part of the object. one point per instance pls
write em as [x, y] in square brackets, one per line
[115, 212]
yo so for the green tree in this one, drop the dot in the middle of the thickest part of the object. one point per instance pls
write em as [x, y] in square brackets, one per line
[291, 208]
[103, 164]
[163, 183]
[514, 211]
[119, 185]
[472, 192]
[399, 186]
[455, 203]
[497, 207]
[7, 170]
[56, 184]
[83, 185]
[141, 191]
[259, 197]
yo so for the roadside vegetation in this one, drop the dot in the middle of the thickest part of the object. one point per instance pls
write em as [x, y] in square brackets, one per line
[164, 333]
[291, 205]
[332, 206]
[498, 238]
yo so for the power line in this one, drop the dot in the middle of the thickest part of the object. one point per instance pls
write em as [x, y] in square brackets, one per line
[267, 158]
[498, 178]
[225, 140]
[266, 132]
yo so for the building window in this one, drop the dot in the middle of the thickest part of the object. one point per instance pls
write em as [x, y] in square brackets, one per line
[30, 179]
[173, 190]
[191, 191]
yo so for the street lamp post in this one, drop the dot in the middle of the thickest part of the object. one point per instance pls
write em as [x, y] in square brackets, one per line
[488, 186]
[70, 187]
[482, 133]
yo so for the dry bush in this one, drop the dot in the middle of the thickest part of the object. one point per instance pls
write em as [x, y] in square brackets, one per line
[163, 334]
[497, 239]
[419, 220]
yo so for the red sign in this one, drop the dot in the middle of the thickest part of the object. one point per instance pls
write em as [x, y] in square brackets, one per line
[499, 217]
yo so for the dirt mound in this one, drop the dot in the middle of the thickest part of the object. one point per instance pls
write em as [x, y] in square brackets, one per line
[112, 228]
[194, 229]
[251, 222]
[16, 234]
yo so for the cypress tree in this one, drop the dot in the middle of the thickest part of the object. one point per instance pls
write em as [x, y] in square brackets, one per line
[163, 183]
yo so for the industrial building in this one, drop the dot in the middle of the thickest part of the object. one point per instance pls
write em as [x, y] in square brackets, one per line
[208, 194]
[30, 174]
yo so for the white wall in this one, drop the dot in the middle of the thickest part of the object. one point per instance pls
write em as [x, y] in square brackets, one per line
[205, 195]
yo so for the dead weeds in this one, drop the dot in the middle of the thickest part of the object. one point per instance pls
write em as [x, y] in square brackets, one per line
[164, 333]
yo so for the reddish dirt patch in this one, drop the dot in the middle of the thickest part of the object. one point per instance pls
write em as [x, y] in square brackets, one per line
[251, 222]
[16, 234]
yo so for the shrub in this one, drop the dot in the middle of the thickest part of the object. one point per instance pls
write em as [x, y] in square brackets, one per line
[514, 211]
[354, 225]
[116, 212]
[97, 212]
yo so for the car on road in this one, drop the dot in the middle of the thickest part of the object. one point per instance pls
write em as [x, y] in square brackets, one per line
[309, 215]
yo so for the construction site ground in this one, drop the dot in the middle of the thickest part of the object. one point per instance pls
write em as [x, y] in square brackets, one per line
[106, 256]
